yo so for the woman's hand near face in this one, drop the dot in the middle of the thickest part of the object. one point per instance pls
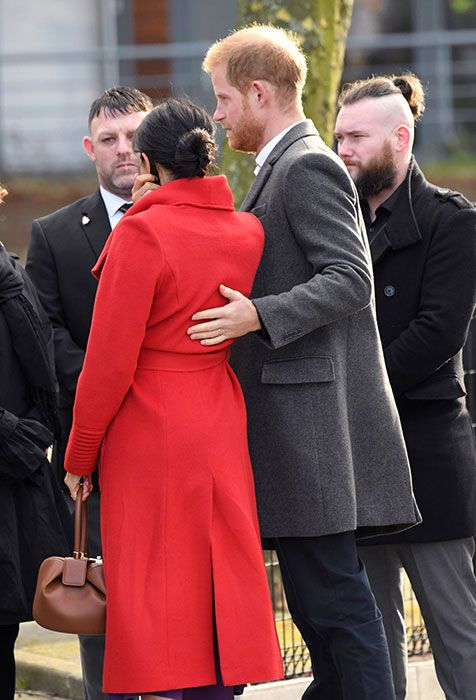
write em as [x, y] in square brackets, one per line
[143, 184]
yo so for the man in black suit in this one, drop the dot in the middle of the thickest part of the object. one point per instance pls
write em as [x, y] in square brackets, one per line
[64, 247]
[423, 246]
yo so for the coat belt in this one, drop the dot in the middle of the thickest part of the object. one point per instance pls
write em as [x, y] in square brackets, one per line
[180, 361]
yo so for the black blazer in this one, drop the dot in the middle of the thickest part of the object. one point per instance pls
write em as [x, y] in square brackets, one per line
[64, 247]
[425, 285]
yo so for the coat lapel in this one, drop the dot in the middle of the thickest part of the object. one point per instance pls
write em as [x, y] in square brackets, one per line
[401, 229]
[306, 128]
[256, 187]
[379, 246]
[95, 222]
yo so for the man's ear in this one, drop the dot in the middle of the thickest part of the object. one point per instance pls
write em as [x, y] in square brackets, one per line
[260, 90]
[404, 135]
[89, 147]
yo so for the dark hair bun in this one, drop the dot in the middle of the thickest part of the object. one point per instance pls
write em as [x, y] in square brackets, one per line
[412, 90]
[195, 153]
[179, 136]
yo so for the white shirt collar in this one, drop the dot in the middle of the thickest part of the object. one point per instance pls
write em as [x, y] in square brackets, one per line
[112, 202]
[266, 150]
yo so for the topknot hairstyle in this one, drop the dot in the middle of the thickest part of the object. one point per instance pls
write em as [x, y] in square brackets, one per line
[406, 84]
[179, 136]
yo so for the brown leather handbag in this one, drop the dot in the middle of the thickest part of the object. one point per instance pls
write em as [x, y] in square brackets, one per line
[70, 591]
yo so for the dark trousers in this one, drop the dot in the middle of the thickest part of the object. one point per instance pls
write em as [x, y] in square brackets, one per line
[8, 635]
[331, 603]
[91, 650]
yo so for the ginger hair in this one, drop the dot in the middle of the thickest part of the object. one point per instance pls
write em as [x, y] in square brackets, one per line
[261, 52]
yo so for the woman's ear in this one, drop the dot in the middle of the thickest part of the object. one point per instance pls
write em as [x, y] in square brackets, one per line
[144, 167]
[149, 168]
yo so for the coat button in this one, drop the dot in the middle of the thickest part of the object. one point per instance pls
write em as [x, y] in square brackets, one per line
[389, 290]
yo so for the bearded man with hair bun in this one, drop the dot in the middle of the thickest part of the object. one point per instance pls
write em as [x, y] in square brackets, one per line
[423, 245]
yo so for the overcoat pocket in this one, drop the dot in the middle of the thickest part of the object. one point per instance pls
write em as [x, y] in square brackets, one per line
[299, 370]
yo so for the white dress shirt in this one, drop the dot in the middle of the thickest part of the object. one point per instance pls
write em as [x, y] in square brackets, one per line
[266, 150]
[112, 203]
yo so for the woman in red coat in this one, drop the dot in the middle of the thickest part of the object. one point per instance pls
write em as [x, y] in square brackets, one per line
[188, 608]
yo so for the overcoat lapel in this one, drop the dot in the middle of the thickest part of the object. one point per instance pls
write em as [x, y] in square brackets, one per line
[302, 129]
[95, 223]
[401, 229]
[379, 246]
[256, 187]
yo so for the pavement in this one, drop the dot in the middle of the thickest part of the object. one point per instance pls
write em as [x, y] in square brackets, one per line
[25, 694]
[47, 662]
[32, 695]
[48, 666]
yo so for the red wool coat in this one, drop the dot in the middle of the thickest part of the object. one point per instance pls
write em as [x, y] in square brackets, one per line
[179, 525]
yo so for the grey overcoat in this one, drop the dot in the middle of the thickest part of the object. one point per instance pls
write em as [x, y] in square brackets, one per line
[325, 438]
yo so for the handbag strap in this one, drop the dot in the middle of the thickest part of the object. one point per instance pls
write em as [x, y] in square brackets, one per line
[80, 525]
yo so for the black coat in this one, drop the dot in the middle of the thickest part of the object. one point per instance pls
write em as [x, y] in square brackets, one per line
[33, 512]
[64, 246]
[425, 284]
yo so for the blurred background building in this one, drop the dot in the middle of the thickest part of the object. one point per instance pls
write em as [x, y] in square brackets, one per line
[57, 55]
